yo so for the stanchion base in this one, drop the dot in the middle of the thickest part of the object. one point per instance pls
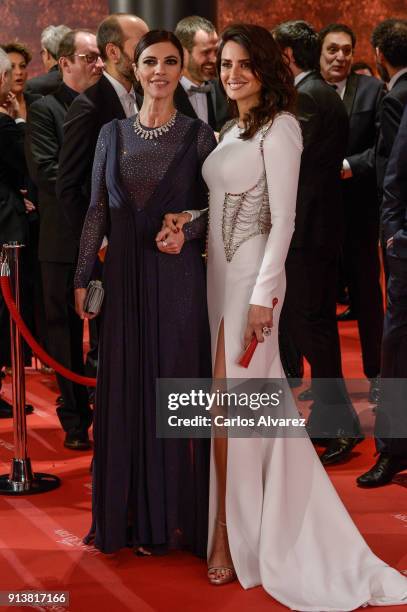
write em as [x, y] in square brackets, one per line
[41, 483]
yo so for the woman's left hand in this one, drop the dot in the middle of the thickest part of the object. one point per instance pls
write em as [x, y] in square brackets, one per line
[170, 242]
[257, 318]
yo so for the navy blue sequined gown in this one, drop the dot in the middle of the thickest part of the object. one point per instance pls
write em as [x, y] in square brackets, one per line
[147, 491]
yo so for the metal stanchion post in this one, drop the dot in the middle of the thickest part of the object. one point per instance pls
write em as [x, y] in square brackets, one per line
[21, 480]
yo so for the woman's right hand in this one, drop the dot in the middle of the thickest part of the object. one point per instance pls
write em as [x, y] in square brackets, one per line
[80, 295]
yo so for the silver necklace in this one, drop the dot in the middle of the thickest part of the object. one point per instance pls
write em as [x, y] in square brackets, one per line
[156, 132]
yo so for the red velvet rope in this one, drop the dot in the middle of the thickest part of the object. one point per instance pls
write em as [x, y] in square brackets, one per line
[36, 348]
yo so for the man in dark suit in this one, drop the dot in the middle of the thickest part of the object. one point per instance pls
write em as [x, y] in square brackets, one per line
[13, 206]
[111, 97]
[199, 94]
[391, 416]
[362, 96]
[50, 81]
[309, 311]
[389, 40]
[81, 67]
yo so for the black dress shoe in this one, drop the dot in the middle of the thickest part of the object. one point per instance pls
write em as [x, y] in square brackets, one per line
[306, 396]
[346, 315]
[374, 391]
[6, 409]
[382, 472]
[77, 441]
[338, 450]
[321, 441]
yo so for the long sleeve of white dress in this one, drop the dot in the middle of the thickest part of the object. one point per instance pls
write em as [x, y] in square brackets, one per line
[282, 148]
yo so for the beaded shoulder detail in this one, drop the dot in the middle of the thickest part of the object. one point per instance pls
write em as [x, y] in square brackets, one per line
[246, 214]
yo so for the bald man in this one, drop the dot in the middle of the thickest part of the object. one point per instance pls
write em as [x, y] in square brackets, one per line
[113, 97]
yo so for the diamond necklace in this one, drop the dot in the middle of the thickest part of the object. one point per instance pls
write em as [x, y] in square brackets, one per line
[153, 132]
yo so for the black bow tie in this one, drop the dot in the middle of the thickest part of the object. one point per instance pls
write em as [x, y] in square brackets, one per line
[205, 88]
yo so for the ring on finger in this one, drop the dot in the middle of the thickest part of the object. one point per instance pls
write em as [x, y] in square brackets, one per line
[266, 331]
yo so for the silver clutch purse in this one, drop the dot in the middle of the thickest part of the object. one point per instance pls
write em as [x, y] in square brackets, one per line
[94, 297]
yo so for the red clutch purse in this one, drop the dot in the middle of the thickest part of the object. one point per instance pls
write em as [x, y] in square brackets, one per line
[246, 358]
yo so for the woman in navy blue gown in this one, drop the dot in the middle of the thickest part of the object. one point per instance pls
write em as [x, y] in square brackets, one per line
[148, 493]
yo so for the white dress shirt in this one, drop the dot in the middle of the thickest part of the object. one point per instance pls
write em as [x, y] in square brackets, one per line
[198, 100]
[127, 98]
[340, 87]
[301, 76]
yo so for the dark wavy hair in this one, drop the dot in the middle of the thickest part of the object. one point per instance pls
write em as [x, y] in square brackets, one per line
[390, 36]
[270, 67]
[20, 48]
[301, 37]
[334, 28]
[158, 36]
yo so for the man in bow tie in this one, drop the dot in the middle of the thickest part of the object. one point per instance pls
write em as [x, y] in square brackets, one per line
[198, 94]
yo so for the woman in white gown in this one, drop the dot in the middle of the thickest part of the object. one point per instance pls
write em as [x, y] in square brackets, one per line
[275, 518]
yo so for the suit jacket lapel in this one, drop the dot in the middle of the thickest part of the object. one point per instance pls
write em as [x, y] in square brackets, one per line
[182, 102]
[310, 75]
[113, 105]
[64, 96]
[350, 92]
[139, 99]
[400, 80]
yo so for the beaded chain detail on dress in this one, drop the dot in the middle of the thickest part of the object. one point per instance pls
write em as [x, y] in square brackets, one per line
[246, 214]
[149, 134]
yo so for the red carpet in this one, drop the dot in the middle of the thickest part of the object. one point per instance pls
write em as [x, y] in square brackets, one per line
[40, 536]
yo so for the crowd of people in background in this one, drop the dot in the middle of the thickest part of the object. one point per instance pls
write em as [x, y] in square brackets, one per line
[49, 127]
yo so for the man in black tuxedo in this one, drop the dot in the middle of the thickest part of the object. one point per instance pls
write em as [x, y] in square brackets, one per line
[13, 206]
[391, 416]
[112, 97]
[199, 94]
[309, 312]
[362, 96]
[81, 67]
[50, 81]
[389, 40]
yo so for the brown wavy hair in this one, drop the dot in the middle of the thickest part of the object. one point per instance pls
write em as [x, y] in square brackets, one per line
[270, 67]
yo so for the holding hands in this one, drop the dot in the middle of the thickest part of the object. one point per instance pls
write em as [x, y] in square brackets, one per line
[170, 239]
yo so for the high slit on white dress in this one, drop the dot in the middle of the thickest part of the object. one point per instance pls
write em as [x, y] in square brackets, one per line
[288, 529]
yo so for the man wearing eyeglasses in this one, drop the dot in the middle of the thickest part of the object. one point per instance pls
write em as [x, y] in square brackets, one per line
[81, 67]
[113, 97]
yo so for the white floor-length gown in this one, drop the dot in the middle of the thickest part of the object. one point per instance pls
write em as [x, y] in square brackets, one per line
[288, 529]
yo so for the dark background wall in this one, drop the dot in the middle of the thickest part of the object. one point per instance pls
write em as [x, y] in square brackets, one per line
[360, 15]
[24, 19]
